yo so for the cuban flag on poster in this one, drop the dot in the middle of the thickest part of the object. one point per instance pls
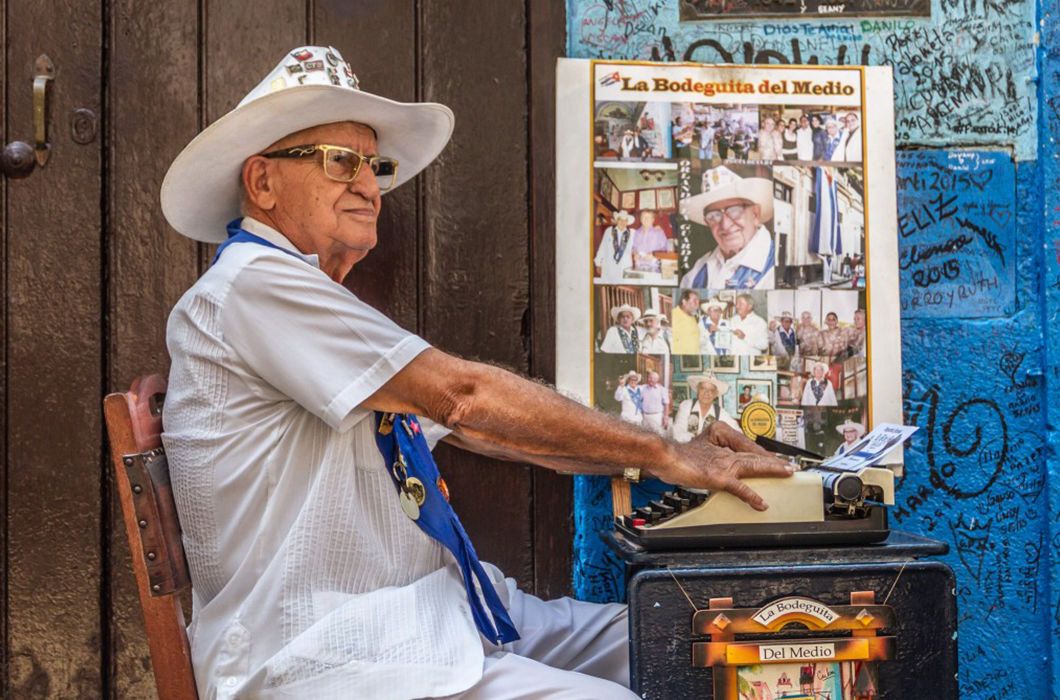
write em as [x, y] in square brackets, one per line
[825, 237]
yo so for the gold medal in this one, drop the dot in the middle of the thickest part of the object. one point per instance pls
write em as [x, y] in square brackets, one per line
[415, 488]
[409, 505]
[386, 424]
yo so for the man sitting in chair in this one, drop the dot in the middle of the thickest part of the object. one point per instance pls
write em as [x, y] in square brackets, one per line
[325, 558]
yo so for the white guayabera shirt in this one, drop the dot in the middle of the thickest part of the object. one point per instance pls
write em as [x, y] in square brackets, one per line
[308, 578]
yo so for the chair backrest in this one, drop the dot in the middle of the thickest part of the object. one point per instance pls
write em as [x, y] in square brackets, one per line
[134, 424]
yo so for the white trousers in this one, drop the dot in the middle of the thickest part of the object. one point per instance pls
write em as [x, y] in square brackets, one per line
[654, 421]
[567, 649]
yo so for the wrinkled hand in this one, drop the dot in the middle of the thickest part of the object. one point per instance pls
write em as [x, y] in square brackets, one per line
[720, 457]
[739, 334]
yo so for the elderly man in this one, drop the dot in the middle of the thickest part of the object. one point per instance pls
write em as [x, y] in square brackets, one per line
[832, 139]
[735, 203]
[857, 337]
[715, 338]
[623, 337]
[750, 332]
[628, 147]
[631, 396]
[648, 240]
[808, 335]
[615, 254]
[686, 323]
[652, 340]
[325, 557]
[818, 391]
[849, 148]
[694, 416]
[784, 342]
[656, 404]
[851, 433]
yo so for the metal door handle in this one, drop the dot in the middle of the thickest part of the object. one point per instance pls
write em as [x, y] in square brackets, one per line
[45, 71]
[18, 159]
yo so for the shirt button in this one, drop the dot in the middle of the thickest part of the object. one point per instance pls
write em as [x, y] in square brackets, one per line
[231, 681]
[233, 640]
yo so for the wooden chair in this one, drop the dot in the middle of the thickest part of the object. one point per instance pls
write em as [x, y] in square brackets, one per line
[134, 423]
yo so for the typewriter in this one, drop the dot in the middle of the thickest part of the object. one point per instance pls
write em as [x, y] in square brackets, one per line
[817, 505]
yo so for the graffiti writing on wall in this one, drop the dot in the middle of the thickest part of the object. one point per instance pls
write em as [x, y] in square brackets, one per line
[695, 10]
[964, 76]
[956, 233]
[981, 488]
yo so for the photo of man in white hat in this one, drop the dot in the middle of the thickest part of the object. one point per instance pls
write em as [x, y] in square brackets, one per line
[623, 336]
[851, 432]
[735, 204]
[715, 336]
[785, 342]
[818, 390]
[629, 394]
[653, 340]
[694, 416]
[325, 558]
[615, 254]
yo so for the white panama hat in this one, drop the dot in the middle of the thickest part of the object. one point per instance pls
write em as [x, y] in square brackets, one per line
[750, 182]
[616, 310]
[694, 380]
[652, 313]
[850, 425]
[623, 214]
[311, 86]
[712, 304]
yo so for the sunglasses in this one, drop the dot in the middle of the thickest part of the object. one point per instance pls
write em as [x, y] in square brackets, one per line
[343, 164]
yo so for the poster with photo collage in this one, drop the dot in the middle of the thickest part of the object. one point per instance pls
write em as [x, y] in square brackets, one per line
[720, 256]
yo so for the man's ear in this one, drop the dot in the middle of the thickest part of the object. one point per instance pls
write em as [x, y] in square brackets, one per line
[258, 182]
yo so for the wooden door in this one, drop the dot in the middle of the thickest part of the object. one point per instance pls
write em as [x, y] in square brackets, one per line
[91, 270]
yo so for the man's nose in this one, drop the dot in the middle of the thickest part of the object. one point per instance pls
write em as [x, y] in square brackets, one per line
[365, 184]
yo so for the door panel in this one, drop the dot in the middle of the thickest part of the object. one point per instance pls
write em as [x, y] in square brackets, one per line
[91, 270]
[151, 74]
[54, 371]
[475, 267]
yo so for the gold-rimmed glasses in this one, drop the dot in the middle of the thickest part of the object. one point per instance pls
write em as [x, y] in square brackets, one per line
[714, 217]
[343, 164]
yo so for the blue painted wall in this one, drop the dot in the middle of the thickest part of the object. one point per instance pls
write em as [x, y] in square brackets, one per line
[978, 101]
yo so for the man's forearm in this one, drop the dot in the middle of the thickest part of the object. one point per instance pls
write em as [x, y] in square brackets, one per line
[526, 421]
[496, 412]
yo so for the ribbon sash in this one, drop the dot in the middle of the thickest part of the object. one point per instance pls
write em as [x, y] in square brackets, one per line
[404, 442]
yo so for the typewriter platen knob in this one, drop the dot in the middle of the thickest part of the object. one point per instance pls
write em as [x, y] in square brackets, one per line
[844, 487]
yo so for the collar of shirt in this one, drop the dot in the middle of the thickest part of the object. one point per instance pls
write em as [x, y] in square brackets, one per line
[755, 254]
[252, 225]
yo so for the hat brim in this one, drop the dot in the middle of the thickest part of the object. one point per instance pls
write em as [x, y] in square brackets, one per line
[754, 189]
[625, 307]
[200, 193]
[695, 380]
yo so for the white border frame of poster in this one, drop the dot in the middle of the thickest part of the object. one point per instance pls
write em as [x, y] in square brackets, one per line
[574, 278]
